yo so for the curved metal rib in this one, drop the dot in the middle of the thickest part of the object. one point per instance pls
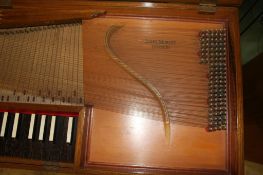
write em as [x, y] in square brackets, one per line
[141, 79]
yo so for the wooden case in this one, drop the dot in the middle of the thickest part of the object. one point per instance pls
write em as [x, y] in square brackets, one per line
[101, 147]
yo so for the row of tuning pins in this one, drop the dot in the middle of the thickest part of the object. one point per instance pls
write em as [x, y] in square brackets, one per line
[41, 97]
[213, 53]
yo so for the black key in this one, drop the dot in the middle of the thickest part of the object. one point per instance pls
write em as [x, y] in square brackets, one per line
[65, 149]
[23, 136]
[59, 132]
[1, 138]
[46, 144]
[1, 119]
[15, 144]
[35, 145]
[8, 141]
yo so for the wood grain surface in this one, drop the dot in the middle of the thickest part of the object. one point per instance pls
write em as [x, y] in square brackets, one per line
[134, 141]
[119, 42]
[173, 68]
[118, 139]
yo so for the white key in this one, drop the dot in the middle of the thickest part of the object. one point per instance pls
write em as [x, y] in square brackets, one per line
[31, 127]
[52, 128]
[42, 127]
[69, 131]
[14, 131]
[2, 134]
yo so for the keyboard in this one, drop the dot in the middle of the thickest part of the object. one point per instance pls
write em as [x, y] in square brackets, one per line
[38, 136]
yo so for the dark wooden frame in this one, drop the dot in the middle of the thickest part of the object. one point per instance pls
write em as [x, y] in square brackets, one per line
[5, 3]
[86, 10]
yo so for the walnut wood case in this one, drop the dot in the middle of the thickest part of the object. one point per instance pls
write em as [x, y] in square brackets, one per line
[30, 13]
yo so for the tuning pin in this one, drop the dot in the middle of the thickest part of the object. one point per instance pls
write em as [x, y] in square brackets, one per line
[201, 34]
[219, 117]
[211, 96]
[219, 122]
[207, 34]
[212, 69]
[211, 110]
[212, 100]
[210, 118]
[214, 128]
[219, 127]
[212, 40]
[217, 113]
[211, 104]
[203, 61]
[221, 95]
[224, 112]
[210, 128]
[217, 108]
[215, 123]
